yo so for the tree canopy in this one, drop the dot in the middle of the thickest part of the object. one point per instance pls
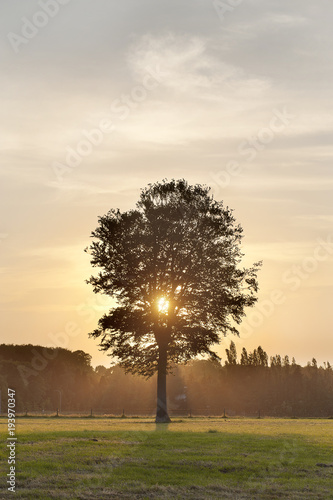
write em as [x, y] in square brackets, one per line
[173, 265]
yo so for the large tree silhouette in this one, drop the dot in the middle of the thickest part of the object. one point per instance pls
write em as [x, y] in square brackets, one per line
[172, 266]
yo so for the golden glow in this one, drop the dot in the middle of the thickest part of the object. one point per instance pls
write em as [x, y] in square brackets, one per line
[163, 305]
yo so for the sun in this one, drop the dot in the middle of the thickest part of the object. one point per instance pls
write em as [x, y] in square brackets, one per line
[163, 305]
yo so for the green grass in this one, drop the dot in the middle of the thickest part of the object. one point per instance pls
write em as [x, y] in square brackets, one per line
[100, 458]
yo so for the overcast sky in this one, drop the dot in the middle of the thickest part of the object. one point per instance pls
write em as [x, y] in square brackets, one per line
[99, 98]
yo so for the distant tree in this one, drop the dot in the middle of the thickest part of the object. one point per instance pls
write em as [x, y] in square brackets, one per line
[256, 358]
[172, 267]
[231, 354]
[101, 370]
[262, 357]
[244, 357]
[276, 360]
[285, 361]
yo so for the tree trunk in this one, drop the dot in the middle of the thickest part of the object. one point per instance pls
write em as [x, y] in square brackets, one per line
[162, 411]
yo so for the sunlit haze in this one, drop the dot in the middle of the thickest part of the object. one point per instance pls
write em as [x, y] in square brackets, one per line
[101, 98]
[163, 305]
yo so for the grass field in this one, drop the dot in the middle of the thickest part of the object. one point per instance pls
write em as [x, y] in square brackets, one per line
[198, 458]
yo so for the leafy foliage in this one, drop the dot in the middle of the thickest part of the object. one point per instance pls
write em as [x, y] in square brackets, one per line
[181, 246]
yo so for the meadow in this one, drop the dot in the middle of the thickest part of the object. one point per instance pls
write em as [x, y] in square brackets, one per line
[191, 458]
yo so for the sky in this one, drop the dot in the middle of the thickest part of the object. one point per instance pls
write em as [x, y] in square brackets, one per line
[101, 98]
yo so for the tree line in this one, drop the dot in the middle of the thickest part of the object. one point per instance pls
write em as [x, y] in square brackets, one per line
[49, 378]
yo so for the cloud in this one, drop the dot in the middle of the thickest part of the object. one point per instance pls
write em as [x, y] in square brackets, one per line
[190, 68]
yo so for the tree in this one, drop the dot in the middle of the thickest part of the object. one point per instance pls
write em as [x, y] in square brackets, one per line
[244, 357]
[231, 354]
[286, 361]
[172, 266]
[262, 357]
